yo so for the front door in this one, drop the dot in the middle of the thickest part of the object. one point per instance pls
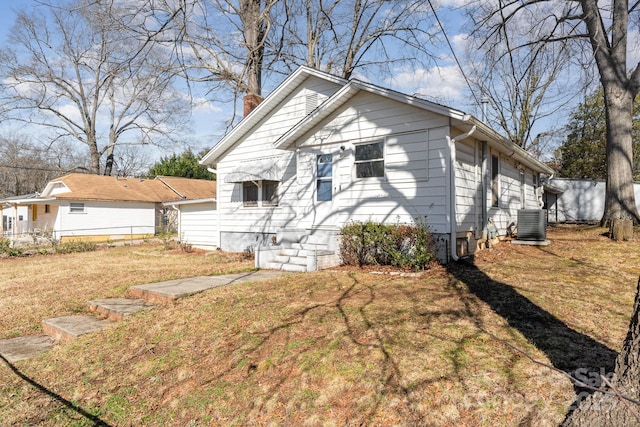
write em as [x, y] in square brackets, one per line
[325, 194]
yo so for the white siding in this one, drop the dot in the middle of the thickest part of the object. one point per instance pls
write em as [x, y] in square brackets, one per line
[415, 147]
[511, 194]
[580, 200]
[468, 186]
[199, 225]
[107, 219]
[259, 144]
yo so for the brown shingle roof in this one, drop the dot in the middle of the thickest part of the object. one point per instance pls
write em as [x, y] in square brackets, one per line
[190, 188]
[109, 188]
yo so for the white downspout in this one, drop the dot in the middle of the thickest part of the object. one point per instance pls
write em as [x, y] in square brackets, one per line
[452, 183]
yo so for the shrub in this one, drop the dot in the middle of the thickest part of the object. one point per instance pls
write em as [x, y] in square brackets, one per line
[75, 246]
[408, 246]
[5, 245]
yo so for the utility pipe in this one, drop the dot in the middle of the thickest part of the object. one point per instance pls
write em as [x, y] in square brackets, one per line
[452, 184]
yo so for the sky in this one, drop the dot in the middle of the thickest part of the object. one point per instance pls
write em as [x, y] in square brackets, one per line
[442, 81]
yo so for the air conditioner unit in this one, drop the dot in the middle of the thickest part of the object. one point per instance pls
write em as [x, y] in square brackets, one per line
[532, 224]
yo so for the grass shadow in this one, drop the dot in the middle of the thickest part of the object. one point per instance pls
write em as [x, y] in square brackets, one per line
[568, 350]
[55, 396]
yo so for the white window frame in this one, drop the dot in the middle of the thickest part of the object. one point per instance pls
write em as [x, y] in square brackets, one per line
[261, 202]
[357, 162]
[77, 208]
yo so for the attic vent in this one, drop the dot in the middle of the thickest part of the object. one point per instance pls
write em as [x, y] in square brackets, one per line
[311, 102]
[532, 224]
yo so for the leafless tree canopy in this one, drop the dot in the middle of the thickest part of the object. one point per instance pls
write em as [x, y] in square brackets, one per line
[524, 82]
[234, 46]
[76, 70]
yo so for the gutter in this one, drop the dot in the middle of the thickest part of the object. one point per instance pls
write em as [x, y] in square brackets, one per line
[452, 183]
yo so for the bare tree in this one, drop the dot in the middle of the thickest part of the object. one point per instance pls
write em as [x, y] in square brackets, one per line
[26, 165]
[524, 82]
[77, 71]
[342, 36]
[604, 28]
[220, 43]
[231, 45]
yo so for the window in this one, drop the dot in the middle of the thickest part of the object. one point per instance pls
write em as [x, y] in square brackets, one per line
[261, 193]
[47, 209]
[269, 193]
[76, 207]
[249, 194]
[495, 181]
[370, 160]
[324, 189]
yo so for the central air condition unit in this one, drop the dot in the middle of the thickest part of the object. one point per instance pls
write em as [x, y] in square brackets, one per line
[532, 224]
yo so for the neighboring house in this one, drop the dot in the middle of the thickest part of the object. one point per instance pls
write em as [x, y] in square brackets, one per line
[17, 214]
[321, 151]
[104, 207]
[569, 200]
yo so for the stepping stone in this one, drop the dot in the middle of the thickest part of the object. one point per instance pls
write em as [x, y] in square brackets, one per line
[118, 308]
[174, 289]
[21, 348]
[67, 328]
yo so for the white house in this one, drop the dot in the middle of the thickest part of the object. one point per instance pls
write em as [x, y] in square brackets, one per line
[321, 151]
[94, 207]
[17, 214]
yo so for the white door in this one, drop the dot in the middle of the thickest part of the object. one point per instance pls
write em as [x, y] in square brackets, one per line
[325, 215]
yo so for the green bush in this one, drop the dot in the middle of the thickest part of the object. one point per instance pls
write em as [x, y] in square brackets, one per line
[408, 246]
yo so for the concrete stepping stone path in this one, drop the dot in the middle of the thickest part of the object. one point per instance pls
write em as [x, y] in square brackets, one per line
[66, 328]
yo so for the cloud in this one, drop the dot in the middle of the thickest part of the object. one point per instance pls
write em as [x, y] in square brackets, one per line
[204, 106]
[442, 84]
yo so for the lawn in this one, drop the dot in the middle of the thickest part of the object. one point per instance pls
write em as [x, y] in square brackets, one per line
[469, 344]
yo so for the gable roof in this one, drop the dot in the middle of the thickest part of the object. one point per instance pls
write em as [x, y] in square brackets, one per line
[349, 89]
[458, 118]
[188, 188]
[265, 108]
[77, 186]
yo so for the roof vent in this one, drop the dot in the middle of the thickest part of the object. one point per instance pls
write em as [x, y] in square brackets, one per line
[532, 224]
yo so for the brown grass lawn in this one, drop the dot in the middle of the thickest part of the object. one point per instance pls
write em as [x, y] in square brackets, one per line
[471, 344]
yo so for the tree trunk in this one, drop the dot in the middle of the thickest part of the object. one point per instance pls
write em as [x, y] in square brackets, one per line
[600, 409]
[254, 36]
[620, 202]
[95, 157]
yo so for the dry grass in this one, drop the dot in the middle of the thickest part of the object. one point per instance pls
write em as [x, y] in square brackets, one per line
[38, 287]
[346, 348]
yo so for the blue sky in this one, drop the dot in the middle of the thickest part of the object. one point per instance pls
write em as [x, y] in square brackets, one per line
[441, 81]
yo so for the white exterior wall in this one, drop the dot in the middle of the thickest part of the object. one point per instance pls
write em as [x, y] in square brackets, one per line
[468, 186]
[238, 221]
[510, 190]
[106, 219]
[14, 213]
[581, 200]
[198, 225]
[45, 221]
[415, 155]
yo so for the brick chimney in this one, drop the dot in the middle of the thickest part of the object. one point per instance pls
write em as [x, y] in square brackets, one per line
[251, 101]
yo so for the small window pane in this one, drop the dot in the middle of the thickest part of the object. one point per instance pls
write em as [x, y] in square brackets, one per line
[369, 151]
[270, 193]
[370, 169]
[249, 194]
[325, 165]
[324, 190]
[76, 207]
